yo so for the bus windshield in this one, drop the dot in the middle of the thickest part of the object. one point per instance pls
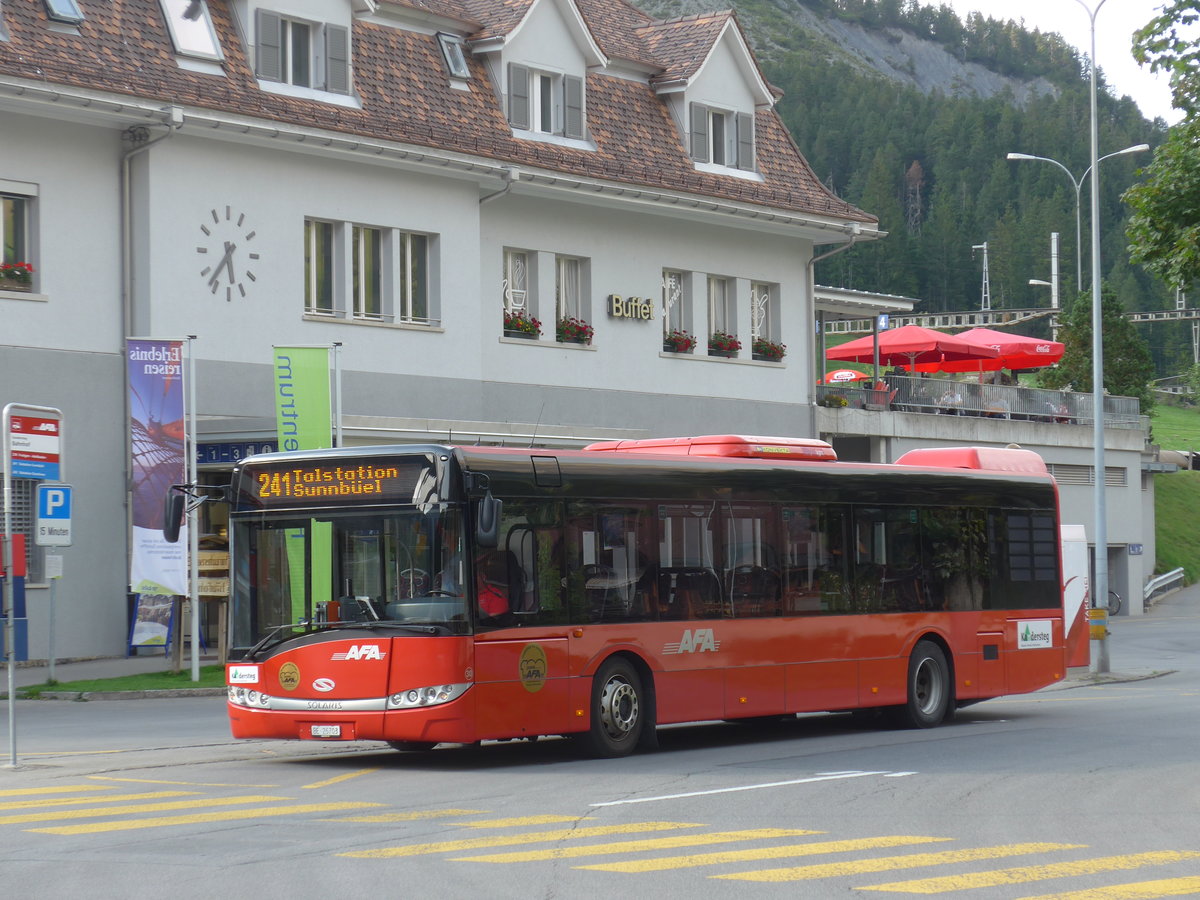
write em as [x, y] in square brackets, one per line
[393, 566]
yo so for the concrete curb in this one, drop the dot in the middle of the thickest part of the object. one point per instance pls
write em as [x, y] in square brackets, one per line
[121, 695]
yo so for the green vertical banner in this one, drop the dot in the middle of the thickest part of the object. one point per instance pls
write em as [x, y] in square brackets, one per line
[302, 411]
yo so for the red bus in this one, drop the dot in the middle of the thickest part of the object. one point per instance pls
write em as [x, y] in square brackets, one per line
[434, 594]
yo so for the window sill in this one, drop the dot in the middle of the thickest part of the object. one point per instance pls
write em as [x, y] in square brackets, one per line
[205, 65]
[433, 327]
[744, 174]
[23, 295]
[557, 140]
[290, 90]
[724, 360]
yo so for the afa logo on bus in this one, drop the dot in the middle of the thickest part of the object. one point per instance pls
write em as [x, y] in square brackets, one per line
[701, 640]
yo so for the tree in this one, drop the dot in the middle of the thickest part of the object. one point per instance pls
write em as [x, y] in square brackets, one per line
[1128, 367]
[1164, 230]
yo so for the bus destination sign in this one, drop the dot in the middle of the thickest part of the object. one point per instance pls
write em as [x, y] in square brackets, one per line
[308, 483]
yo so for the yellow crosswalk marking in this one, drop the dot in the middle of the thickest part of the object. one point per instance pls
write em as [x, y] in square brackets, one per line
[524, 820]
[1142, 890]
[813, 848]
[667, 843]
[184, 783]
[61, 789]
[339, 778]
[44, 802]
[533, 837]
[887, 863]
[1034, 873]
[384, 818]
[98, 811]
[228, 815]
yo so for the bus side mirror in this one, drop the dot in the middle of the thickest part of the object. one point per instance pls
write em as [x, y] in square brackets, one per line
[173, 507]
[487, 521]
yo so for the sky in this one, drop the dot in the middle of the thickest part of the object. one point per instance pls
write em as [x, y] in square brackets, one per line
[1115, 23]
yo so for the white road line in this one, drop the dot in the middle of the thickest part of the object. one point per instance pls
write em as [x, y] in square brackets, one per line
[831, 776]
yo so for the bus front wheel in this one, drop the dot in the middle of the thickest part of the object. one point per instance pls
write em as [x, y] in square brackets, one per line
[617, 710]
[929, 693]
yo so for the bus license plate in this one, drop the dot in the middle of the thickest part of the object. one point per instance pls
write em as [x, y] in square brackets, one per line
[326, 731]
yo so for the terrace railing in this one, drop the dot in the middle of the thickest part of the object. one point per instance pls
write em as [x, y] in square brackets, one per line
[942, 396]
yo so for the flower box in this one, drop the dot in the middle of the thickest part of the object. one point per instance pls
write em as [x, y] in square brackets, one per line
[16, 276]
[573, 331]
[721, 343]
[768, 351]
[521, 325]
[679, 341]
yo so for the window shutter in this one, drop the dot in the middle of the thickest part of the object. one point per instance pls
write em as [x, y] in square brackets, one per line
[573, 103]
[518, 96]
[745, 141]
[337, 59]
[699, 136]
[267, 57]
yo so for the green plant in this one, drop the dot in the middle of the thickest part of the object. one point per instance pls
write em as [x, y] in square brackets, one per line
[20, 272]
[572, 330]
[835, 401]
[679, 341]
[522, 322]
[724, 342]
[768, 349]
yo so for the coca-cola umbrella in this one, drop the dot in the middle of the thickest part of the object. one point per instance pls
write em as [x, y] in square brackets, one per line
[842, 376]
[1014, 351]
[910, 345]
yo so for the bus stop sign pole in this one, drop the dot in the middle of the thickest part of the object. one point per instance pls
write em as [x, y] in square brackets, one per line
[37, 455]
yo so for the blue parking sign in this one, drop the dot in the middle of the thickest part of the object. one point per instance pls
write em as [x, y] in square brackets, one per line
[53, 525]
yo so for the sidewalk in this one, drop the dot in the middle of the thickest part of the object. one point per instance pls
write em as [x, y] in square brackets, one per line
[93, 669]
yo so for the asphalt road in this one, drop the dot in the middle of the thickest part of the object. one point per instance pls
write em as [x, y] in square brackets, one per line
[1086, 791]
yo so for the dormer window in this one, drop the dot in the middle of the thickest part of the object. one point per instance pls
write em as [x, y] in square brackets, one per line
[64, 11]
[722, 137]
[455, 57]
[191, 27]
[301, 53]
[545, 102]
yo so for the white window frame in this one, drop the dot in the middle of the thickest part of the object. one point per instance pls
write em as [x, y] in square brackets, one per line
[722, 137]
[17, 217]
[412, 289]
[194, 36]
[320, 243]
[327, 53]
[516, 287]
[764, 311]
[568, 287]
[367, 293]
[721, 311]
[543, 102]
[454, 55]
[674, 313]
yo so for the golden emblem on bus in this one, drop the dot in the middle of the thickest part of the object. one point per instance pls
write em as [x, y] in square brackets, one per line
[532, 666]
[289, 676]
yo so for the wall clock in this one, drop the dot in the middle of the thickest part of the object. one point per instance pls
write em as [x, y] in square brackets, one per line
[226, 252]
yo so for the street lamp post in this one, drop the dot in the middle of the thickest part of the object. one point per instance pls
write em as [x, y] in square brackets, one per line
[1077, 183]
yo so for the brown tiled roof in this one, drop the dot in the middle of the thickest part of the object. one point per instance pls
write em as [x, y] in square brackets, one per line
[614, 24]
[124, 49]
[681, 45]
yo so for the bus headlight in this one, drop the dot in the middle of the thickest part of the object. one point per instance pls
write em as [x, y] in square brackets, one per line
[240, 696]
[434, 695]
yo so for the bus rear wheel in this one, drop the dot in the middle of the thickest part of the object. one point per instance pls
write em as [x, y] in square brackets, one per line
[929, 693]
[617, 710]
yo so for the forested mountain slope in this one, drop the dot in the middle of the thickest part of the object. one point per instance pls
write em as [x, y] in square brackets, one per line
[909, 113]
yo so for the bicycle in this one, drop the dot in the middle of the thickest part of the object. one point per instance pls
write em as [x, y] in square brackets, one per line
[1114, 603]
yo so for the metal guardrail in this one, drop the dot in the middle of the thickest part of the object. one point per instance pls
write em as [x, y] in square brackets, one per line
[1171, 581]
[944, 396]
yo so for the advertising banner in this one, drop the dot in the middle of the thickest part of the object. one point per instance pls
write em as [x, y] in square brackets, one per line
[156, 424]
[302, 407]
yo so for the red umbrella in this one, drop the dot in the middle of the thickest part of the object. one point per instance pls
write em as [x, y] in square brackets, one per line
[841, 376]
[910, 345]
[1015, 351]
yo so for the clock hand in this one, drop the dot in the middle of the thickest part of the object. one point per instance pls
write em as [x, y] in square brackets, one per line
[226, 262]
